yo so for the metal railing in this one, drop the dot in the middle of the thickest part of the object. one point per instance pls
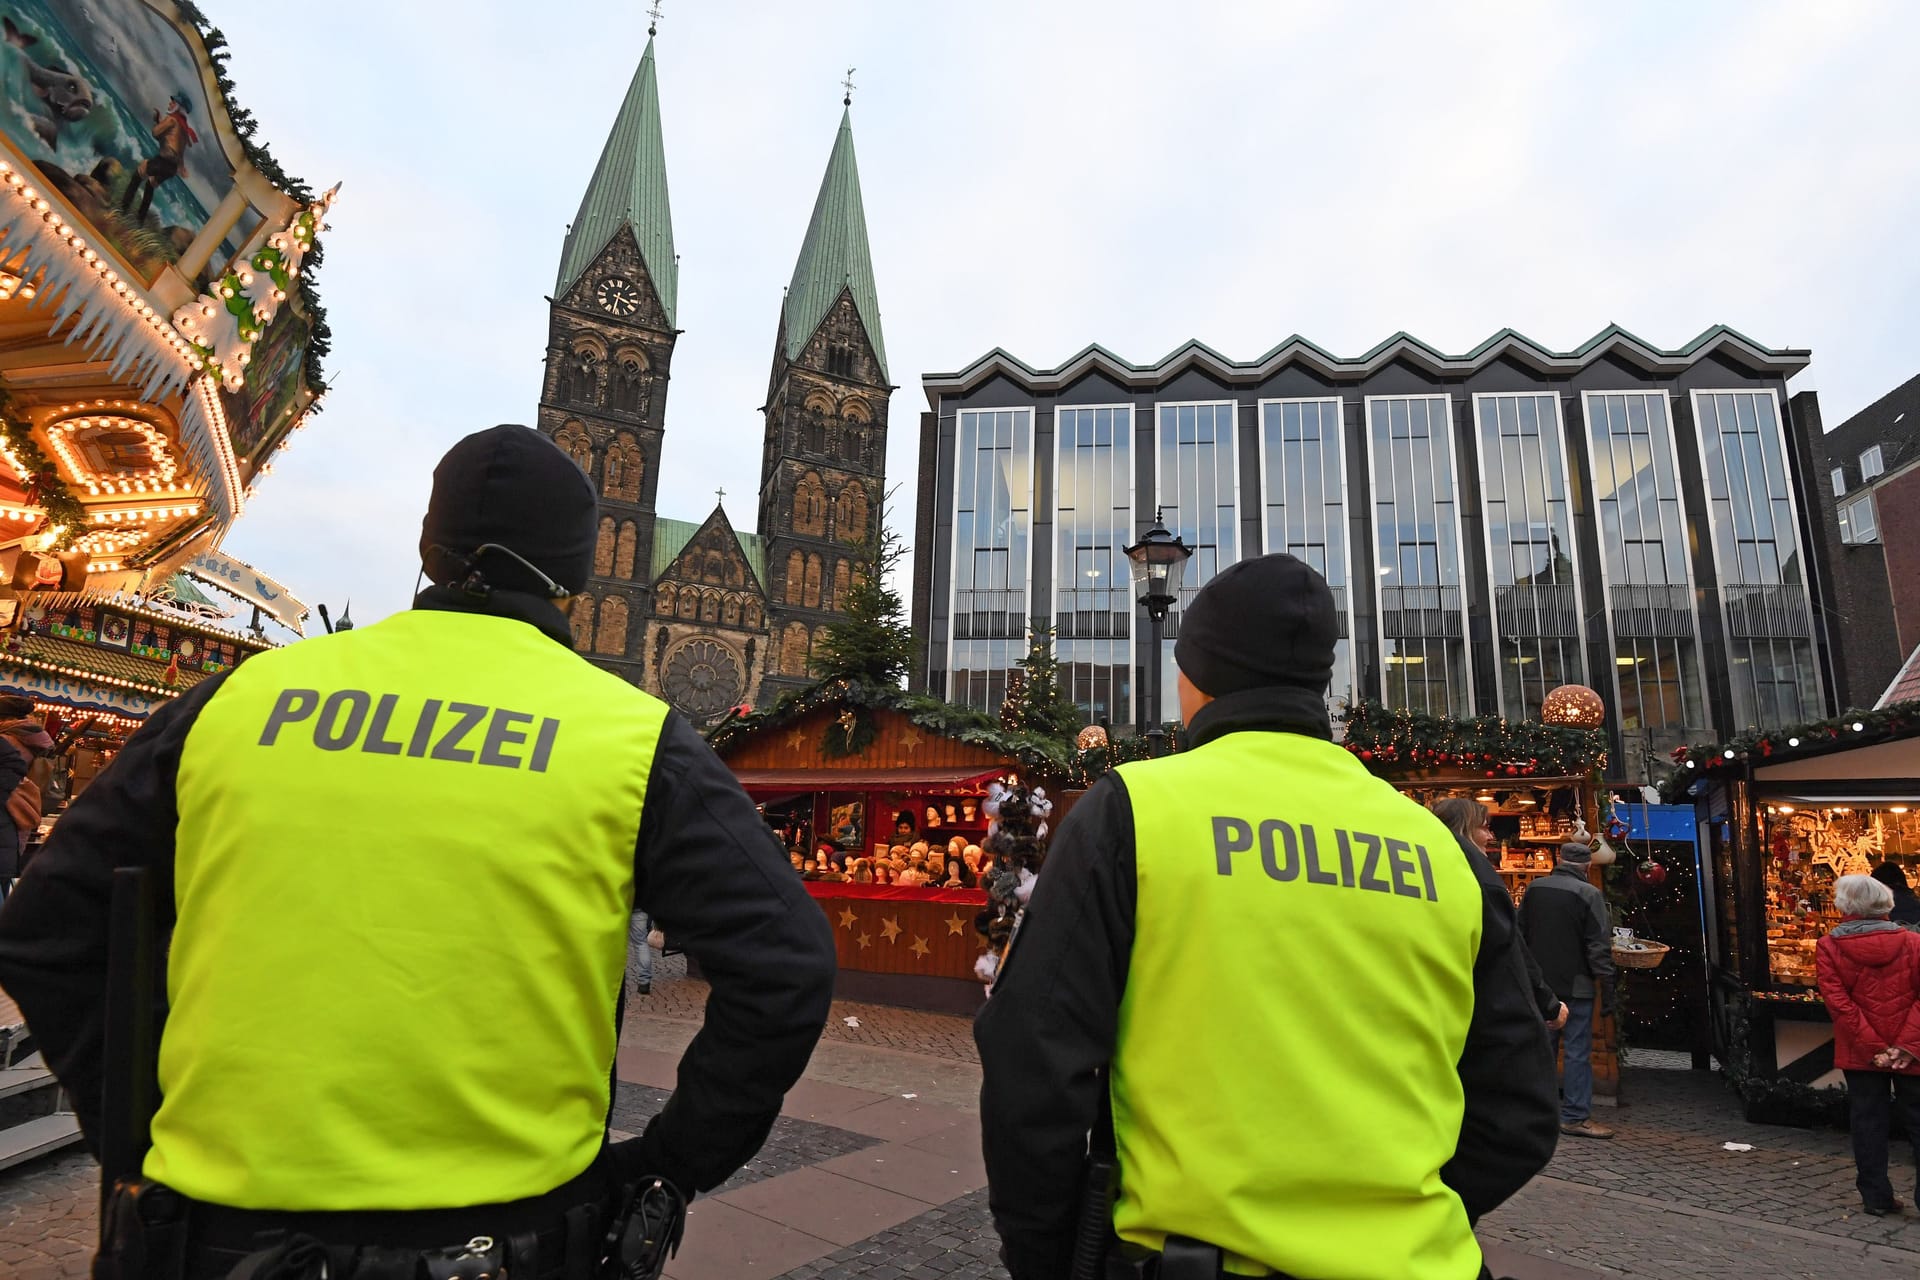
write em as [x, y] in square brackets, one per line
[1411, 613]
[1531, 612]
[1651, 612]
[1767, 611]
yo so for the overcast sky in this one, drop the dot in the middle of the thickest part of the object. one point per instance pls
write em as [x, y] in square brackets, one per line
[1041, 174]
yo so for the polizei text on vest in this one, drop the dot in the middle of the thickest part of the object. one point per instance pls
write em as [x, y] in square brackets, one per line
[456, 732]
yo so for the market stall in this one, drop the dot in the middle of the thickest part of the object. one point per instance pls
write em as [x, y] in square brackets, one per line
[1782, 816]
[1537, 781]
[859, 771]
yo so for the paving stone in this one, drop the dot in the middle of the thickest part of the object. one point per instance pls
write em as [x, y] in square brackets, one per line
[792, 1144]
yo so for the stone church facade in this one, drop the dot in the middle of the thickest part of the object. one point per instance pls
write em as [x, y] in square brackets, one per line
[703, 615]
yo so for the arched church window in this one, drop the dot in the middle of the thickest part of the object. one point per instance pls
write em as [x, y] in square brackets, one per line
[581, 619]
[573, 438]
[603, 548]
[810, 506]
[796, 576]
[611, 639]
[812, 597]
[623, 558]
[842, 581]
[624, 468]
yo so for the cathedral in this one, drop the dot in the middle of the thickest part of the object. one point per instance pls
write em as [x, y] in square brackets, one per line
[701, 614]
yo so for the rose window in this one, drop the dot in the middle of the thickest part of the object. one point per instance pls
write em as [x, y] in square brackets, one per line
[703, 678]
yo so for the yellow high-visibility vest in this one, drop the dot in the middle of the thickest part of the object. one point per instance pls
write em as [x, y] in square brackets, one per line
[403, 875]
[1284, 1084]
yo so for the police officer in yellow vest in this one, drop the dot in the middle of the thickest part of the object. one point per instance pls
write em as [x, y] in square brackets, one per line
[1310, 1014]
[400, 864]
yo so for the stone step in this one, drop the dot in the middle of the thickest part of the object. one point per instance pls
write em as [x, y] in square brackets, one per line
[37, 1138]
[24, 1076]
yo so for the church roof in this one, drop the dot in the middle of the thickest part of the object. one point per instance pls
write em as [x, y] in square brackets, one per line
[629, 189]
[834, 255]
[670, 538]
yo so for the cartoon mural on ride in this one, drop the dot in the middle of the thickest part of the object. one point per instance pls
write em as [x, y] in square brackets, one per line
[109, 103]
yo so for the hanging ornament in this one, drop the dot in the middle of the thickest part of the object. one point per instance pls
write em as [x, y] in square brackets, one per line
[1574, 706]
[1651, 873]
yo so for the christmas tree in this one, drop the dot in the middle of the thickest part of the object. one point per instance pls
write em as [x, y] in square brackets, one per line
[872, 643]
[1035, 701]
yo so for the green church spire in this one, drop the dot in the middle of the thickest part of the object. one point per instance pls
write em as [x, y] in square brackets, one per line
[835, 256]
[629, 189]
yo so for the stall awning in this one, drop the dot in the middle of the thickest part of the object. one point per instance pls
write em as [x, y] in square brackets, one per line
[907, 780]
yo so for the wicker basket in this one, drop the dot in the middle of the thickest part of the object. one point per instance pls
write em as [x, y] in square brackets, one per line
[1647, 956]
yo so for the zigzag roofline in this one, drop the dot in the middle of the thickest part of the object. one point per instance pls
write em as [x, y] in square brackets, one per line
[1611, 341]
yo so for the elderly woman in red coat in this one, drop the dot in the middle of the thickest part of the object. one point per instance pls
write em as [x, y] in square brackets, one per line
[1870, 978]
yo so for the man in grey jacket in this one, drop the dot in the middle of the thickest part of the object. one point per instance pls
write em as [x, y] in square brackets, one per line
[1564, 920]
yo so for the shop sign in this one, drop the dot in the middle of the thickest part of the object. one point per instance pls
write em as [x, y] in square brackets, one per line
[79, 695]
[249, 584]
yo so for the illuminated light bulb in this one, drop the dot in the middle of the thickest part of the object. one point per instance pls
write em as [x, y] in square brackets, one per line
[1728, 753]
[1793, 742]
[1859, 727]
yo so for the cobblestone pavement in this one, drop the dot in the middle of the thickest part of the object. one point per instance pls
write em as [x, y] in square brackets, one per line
[793, 1144]
[679, 998]
[954, 1242]
[49, 1217]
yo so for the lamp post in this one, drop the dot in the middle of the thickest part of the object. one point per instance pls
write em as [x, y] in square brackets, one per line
[1158, 560]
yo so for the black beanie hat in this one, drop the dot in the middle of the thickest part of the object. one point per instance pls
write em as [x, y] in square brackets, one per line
[1261, 622]
[511, 486]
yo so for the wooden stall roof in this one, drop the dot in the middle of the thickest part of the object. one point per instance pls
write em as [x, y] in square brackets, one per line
[898, 744]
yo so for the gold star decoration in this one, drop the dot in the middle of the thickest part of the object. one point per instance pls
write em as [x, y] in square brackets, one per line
[910, 739]
[891, 928]
[847, 918]
[920, 947]
[956, 926]
[866, 940]
[795, 738]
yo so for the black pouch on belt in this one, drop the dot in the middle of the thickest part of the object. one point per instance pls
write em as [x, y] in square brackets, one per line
[145, 1235]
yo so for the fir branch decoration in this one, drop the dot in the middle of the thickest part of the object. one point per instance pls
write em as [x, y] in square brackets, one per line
[45, 487]
[320, 336]
[1397, 741]
[1852, 728]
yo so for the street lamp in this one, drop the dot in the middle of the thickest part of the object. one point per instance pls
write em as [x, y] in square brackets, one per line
[1158, 560]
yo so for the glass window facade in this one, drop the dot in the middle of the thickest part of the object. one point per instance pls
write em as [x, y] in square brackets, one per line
[1839, 477]
[1417, 545]
[1756, 546]
[1093, 604]
[1643, 560]
[1303, 506]
[1198, 492]
[992, 553]
[1871, 464]
[1536, 593]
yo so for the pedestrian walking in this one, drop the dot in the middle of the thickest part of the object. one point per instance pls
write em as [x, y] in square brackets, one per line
[399, 866]
[640, 966]
[1563, 920]
[1310, 1019]
[1906, 903]
[1869, 973]
[1467, 819]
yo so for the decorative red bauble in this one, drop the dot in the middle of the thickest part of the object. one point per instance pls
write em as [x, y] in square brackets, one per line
[1650, 873]
[1366, 754]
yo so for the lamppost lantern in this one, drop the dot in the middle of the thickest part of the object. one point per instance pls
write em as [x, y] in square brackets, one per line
[1158, 562]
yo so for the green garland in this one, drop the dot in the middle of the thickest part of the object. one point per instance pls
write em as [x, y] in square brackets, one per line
[1089, 764]
[1397, 741]
[320, 334]
[849, 735]
[232, 288]
[50, 491]
[1773, 1100]
[1043, 755]
[1852, 728]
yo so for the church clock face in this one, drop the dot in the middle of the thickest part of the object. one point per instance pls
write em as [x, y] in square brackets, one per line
[618, 296]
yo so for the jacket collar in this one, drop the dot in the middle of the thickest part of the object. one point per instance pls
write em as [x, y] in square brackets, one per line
[1273, 709]
[1578, 870]
[520, 606]
[1854, 925]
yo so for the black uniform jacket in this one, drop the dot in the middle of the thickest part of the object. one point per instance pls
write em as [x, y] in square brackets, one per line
[1048, 1031]
[705, 866]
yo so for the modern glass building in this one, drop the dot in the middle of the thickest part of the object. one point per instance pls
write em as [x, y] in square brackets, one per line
[1493, 524]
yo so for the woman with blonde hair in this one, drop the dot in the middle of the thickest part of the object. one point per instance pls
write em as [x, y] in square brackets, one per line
[1869, 972]
[1467, 819]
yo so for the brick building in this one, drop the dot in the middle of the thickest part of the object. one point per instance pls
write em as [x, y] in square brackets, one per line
[704, 615]
[1866, 472]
